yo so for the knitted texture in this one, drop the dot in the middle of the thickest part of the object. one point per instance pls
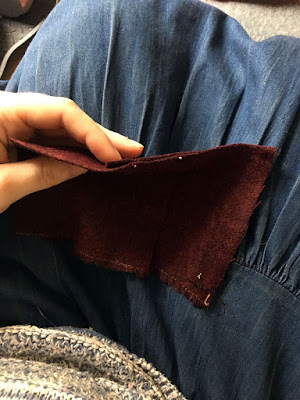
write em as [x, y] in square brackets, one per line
[67, 363]
[180, 216]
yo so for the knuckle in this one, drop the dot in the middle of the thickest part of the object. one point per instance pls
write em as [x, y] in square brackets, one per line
[45, 174]
[51, 172]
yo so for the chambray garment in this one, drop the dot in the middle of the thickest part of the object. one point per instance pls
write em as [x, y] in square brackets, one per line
[176, 75]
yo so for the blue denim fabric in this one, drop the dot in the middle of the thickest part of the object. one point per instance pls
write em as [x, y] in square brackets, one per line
[3, 85]
[176, 75]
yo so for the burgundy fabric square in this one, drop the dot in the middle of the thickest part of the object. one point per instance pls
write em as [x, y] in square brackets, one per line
[180, 216]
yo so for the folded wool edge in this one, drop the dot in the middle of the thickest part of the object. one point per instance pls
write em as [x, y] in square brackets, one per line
[180, 216]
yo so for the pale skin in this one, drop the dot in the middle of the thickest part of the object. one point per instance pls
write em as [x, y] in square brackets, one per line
[60, 121]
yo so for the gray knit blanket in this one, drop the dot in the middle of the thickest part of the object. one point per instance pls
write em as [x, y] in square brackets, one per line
[68, 363]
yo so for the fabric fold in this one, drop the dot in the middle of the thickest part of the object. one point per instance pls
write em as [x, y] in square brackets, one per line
[180, 216]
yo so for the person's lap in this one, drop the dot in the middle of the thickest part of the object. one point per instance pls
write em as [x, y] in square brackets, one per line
[177, 76]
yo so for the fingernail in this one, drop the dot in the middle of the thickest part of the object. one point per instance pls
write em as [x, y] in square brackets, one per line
[137, 144]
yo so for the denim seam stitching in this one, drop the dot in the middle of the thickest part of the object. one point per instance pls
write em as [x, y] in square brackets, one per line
[267, 276]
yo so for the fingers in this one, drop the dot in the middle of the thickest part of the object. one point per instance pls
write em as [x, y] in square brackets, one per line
[54, 113]
[20, 179]
[60, 113]
[126, 147]
[22, 114]
[57, 119]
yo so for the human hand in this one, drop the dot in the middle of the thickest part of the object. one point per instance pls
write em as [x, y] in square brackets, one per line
[60, 121]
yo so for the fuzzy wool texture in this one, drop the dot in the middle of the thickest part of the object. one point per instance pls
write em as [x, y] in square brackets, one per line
[179, 216]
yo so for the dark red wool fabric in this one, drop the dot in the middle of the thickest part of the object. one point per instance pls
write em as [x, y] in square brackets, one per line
[180, 216]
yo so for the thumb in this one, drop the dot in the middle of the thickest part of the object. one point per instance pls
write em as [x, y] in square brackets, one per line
[20, 179]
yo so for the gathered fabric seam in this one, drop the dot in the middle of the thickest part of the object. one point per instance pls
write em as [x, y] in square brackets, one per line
[267, 276]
